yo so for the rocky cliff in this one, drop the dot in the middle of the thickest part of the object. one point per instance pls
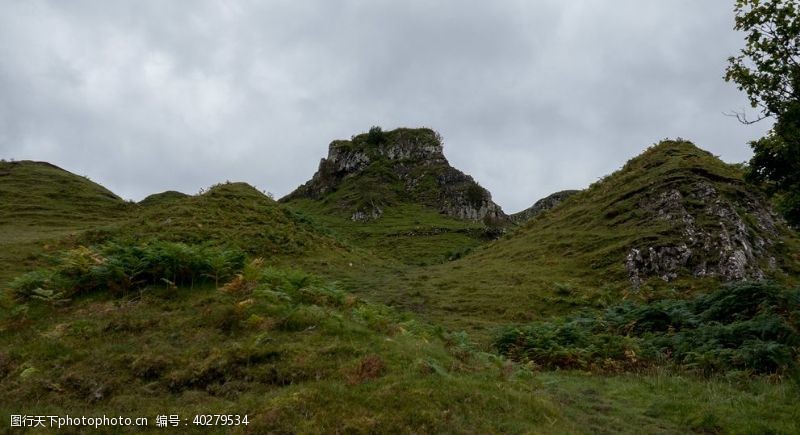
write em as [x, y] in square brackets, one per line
[717, 234]
[374, 170]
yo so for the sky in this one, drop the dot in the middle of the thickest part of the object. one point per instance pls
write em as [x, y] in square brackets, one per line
[531, 97]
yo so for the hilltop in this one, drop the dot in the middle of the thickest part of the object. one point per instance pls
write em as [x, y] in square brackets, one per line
[39, 193]
[396, 188]
[362, 176]
[228, 213]
[162, 198]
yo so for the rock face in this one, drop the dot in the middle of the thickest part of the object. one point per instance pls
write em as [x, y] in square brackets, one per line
[540, 206]
[373, 170]
[720, 235]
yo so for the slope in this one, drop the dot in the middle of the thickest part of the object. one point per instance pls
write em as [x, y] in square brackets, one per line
[41, 204]
[295, 354]
[672, 222]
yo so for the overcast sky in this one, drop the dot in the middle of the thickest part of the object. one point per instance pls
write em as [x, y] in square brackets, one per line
[531, 97]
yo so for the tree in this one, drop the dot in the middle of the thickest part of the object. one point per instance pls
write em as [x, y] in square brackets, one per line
[768, 71]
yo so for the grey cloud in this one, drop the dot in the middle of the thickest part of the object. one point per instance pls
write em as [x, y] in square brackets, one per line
[531, 97]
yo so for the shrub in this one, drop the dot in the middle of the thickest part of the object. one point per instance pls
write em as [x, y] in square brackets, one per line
[117, 268]
[375, 136]
[746, 326]
[475, 195]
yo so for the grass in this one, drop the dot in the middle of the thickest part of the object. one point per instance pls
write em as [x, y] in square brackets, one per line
[297, 354]
[162, 198]
[331, 325]
[665, 402]
[573, 256]
[45, 208]
[417, 235]
[279, 345]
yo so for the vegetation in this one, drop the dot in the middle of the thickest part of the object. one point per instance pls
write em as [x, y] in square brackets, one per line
[404, 191]
[768, 71]
[752, 327]
[297, 354]
[162, 198]
[293, 314]
[375, 136]
[419, 235]
[120, 268]
[292, 351]
[43, 209]
[573, 256]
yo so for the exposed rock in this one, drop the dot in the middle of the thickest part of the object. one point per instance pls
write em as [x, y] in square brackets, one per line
[541, 205]
[373, 213]
[417, 169]
[716, 238]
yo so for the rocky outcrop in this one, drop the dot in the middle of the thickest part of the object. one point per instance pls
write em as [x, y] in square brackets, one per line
[367, 214]
[540, 206]
[718, 235]
[403, 164]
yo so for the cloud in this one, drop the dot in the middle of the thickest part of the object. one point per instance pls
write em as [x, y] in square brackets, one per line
[531, 97]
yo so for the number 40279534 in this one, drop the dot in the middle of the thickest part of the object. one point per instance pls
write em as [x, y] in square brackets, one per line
[220, 420]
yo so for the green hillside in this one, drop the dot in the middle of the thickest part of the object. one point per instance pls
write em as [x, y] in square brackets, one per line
[389, 294]
[690, 208]
[43, 207]
[295, 354]
[40, 194]
[237, 215]
[229, 213]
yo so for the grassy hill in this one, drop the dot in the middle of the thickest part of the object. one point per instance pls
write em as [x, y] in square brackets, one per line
[229, 213]
[682, 203]
[43, 207]
[41, 194]
[238, 215]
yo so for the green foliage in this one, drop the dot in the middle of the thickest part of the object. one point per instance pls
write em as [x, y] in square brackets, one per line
[768, 68]
[475, 195]
[118, 268]
[748, 326]
[375, 136]
[768, 71]
[776, 162]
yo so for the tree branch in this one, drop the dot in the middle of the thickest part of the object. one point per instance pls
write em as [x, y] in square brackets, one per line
[742, 117]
